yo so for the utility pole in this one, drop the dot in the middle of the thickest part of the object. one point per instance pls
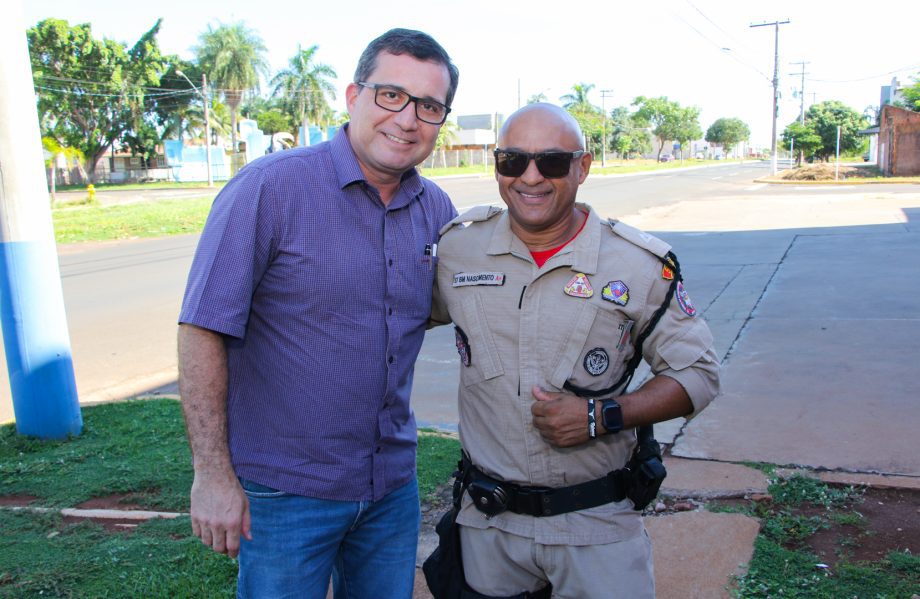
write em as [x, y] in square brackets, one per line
[604, 93]
[203, 92]
[776, 25]
[35, 337]
[801, 91]
[801, 110]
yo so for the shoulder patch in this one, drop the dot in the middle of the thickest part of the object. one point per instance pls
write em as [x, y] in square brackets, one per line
[475, 214]
[639, 238]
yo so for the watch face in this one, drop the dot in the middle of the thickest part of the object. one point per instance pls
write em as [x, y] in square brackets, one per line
[613, 416]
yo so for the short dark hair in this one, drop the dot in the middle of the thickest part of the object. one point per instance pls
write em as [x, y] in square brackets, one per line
[414, 43]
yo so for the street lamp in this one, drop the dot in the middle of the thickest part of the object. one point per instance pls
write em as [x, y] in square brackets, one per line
[604, 93]
[203, 91]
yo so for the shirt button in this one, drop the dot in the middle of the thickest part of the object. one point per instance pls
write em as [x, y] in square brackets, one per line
[391, 311]
[390, 360]
[391, 262]
[378, 450]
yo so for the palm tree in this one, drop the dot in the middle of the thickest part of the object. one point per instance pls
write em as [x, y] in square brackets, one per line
[71, 156]
[446, 136]
[577, 101]
[305, 85]
[233, 56]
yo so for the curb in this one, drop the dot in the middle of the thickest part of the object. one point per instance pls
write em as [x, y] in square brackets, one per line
[139, 515]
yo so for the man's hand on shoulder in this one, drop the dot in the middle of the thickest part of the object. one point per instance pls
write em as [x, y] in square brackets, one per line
[220, 510]
[561, 418]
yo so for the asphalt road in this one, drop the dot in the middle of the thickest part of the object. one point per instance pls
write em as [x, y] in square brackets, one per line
[122, 298]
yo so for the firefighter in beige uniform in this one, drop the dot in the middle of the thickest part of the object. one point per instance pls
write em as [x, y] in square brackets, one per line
[526, 333]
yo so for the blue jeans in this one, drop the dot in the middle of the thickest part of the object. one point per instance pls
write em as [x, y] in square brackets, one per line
[368, 548]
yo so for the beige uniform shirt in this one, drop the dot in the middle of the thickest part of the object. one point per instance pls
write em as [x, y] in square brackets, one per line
[575, 319]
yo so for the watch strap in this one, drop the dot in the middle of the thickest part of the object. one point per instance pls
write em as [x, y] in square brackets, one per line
[592, 420]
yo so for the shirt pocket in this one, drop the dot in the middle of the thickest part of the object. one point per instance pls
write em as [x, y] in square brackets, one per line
[595, 353]
[484, 360]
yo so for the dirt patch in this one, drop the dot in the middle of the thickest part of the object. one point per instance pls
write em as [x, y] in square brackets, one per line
[109, 524]
[890, 522]
[17, 500]
[115, 501]
[866, 529]
[826, 172]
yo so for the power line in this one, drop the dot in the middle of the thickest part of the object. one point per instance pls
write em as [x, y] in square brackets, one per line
[907, 68]
[721, 47]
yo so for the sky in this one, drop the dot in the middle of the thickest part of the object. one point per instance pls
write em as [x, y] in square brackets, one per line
[697, 52]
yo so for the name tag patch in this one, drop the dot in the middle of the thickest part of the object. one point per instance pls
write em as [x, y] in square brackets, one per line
[462, 279]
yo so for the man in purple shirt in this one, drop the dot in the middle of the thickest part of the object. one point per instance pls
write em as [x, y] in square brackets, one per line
[304, 313]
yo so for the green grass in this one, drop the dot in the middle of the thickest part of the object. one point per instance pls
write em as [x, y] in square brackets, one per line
[144, 186]
[41, 556]
[134, 447]
[776, 571]
[485, 171]
[615, 167]
[127, 447]
[437, 459]
[782, 566]
[124, 221]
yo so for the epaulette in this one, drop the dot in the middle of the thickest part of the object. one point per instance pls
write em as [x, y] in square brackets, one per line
[475, 214]
[639, 238]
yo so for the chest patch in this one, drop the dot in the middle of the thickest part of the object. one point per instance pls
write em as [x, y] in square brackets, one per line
[579, 286]
[463, 279]
[616, 292]
[597, 361]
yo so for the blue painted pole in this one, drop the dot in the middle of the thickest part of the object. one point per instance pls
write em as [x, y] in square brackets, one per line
[35, 336]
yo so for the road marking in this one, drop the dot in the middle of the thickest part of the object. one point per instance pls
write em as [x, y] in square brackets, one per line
[716, 178]
[755, 187]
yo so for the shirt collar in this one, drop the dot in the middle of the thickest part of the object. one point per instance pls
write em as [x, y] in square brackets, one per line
[348, 170]
[581, 254]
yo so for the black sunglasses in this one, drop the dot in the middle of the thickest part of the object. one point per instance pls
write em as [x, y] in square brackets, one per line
[552, 165]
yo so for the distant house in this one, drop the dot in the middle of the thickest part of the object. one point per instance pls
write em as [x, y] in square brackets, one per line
[899, 142]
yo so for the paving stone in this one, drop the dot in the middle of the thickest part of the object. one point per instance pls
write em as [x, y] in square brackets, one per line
[697, 553]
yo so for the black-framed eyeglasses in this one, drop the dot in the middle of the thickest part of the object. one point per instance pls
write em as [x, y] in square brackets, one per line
[552, 165]
[394, 99]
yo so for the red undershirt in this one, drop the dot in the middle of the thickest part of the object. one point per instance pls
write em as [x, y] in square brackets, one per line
[541, 256]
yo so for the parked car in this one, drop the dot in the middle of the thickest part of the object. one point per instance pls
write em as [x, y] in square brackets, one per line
[665, 158]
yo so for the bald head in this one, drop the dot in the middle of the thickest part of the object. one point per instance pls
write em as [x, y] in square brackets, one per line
[556, 124]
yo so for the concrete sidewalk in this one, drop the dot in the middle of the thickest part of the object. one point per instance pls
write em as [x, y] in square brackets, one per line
[814, 302]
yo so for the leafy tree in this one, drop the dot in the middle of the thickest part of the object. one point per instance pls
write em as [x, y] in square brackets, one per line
[728, 132]
[802, 138]
[626, 137]
[90, 92]
[233, 56]
[824, 118]
[912, 95]
[305, 85]
[665, 117]
[688, 127]
[142, 140]
[177, 109]
[273, 121]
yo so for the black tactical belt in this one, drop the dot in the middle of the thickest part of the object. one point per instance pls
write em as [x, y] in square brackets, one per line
[492, 496]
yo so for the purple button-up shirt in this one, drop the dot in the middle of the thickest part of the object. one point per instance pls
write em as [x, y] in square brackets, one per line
[322, 293]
